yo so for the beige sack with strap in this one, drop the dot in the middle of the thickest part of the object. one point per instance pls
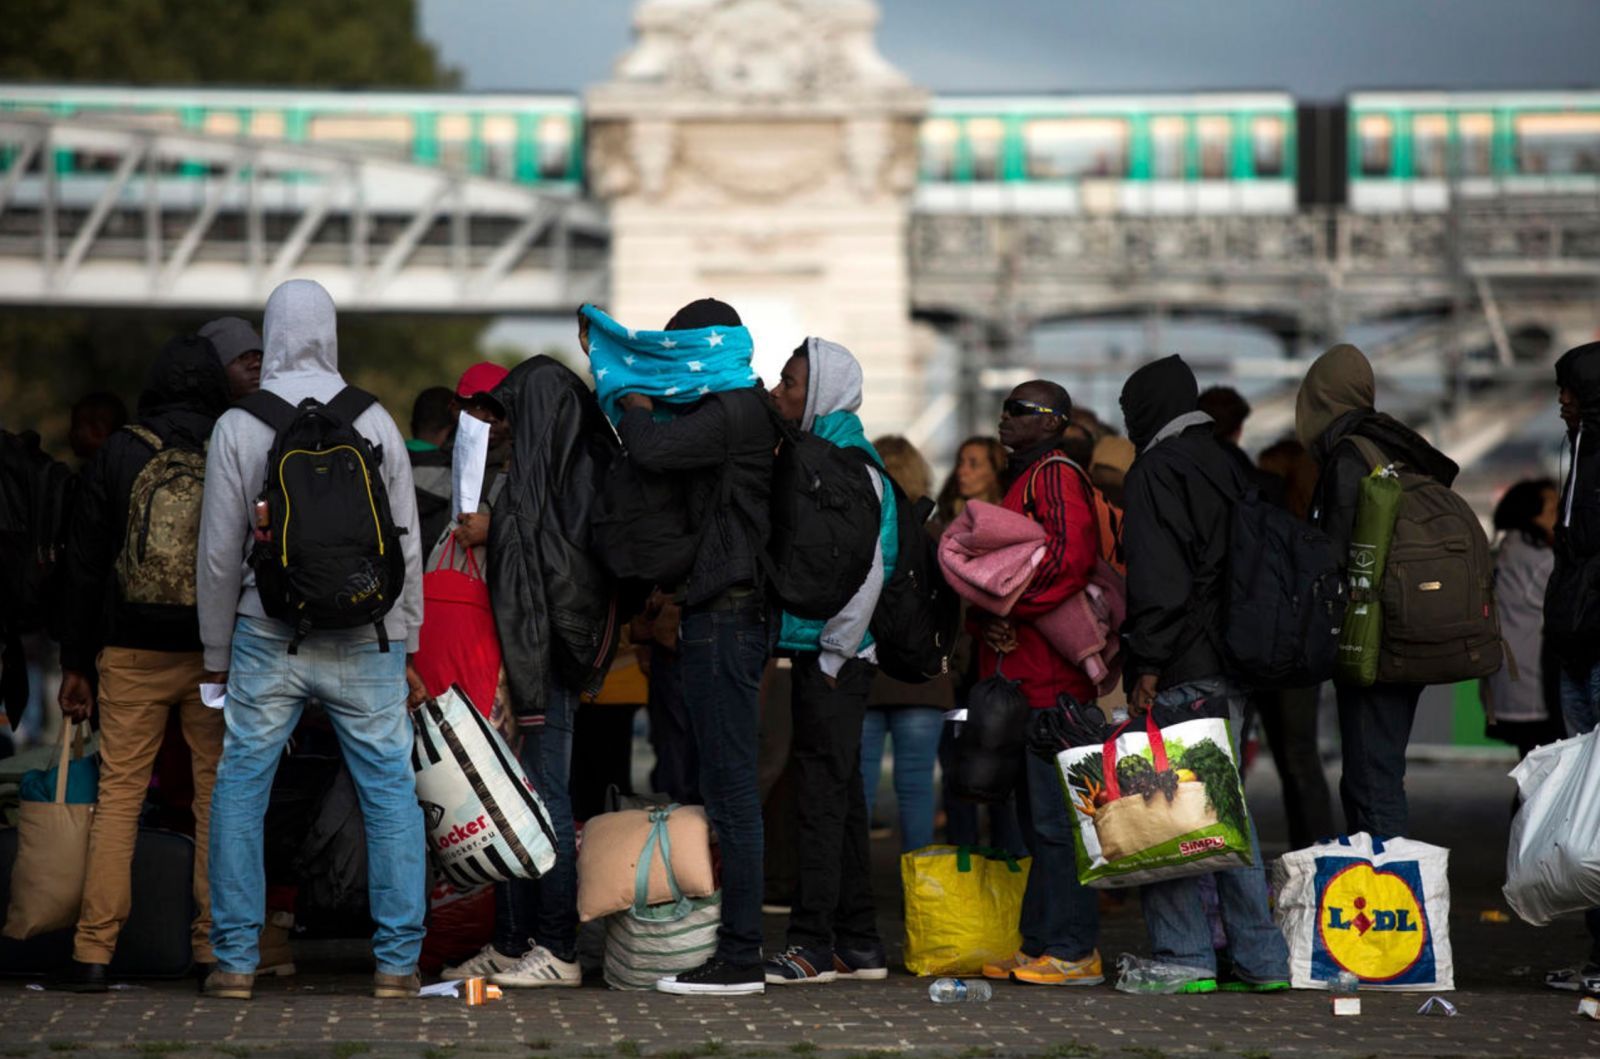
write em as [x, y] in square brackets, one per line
[52, 855]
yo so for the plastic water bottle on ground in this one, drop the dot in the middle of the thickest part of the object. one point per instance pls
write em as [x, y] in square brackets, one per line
[957, 990]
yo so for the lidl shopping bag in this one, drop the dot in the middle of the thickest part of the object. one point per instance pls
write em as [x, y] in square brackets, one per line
[1157, 803]
[485, 821]
[1361, 636]
[1379, 909]
[1553, 858]
[963, 907]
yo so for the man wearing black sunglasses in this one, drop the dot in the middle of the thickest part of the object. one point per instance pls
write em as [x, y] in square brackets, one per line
[1060, 918]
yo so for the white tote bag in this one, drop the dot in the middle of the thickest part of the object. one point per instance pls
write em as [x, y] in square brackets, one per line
[1553, 858]
[1378, 909]
[485, 821]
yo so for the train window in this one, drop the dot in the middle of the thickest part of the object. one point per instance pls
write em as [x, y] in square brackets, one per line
[500, 146]
[1216, 147]
[938, 146]
[455, 140]
[1267, 147]
[985, 139]
[1559, 144]
[1168, 148]
[222, 123]
[1430, 147]
[1060, 149]
[1475, 133]
[1375, 145]
[386, 134]
[555, 147]
[267, 124]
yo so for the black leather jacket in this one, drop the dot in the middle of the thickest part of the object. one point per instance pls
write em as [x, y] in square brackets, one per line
[555, 606]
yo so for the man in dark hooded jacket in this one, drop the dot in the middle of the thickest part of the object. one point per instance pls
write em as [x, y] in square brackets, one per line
[1335, 404]
[129, 612]
[1578, 553]
[1180, 492]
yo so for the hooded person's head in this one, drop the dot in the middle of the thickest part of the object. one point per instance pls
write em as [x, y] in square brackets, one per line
[1578, 376]
[301, 335]
[1155, 395]
[187, 376]
[820, 378]
[1338, 382]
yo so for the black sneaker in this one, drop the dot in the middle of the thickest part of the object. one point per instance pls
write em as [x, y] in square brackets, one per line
[861, 965]
[800, 966]
[717, 977]
[80, 977]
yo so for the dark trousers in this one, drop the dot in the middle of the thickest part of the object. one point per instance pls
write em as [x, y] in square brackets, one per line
[677, 769]
[723, 651]
[1375, 727]
[602, 740]
[1289, 721]
[962, 817]
[1060, 916]
[833, 895]
[544, 911]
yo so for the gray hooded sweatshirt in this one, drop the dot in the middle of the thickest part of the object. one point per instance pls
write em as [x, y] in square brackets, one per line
[834, 385]
[301, 360]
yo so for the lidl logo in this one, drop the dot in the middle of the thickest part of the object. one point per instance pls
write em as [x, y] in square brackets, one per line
[1371, 921]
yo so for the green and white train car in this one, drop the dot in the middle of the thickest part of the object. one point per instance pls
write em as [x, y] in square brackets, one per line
[1414, 151]
[1215, 152]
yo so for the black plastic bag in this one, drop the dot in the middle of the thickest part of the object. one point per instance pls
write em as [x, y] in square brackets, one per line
[989, 744]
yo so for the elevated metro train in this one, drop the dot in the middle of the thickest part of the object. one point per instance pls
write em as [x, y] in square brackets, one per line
[1209, 152]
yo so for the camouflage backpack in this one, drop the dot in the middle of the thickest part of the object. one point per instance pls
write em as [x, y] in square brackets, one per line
[157, 562]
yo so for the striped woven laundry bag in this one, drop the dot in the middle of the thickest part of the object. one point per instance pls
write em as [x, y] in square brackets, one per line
[648, 942]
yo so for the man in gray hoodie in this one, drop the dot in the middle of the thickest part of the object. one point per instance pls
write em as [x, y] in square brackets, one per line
[364, 688]
[833, 931]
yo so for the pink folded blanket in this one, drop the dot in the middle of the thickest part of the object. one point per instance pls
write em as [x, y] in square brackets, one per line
[1084, 629]
[989, 555]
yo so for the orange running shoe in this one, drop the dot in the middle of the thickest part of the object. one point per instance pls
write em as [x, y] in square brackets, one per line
[1047, 970]
[1001, 970]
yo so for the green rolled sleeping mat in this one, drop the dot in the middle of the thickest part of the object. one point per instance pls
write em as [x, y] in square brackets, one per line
[1362, 633]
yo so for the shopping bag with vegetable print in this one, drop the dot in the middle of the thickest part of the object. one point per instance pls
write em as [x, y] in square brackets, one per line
[1156, 803]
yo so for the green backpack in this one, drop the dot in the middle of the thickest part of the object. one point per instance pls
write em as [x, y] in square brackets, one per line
[1435, 589]
[157, 561]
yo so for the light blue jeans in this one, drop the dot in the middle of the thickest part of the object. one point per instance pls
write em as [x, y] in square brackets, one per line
[1174, 912]
[364, 693]
[915, 731]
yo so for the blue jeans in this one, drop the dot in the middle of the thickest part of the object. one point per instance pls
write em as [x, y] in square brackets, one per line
[1374, 729]
[916, 731]
[1060, 916]
[723, 652]
[544, 911]
[1580, 705]
[363, 691]
[1174, 912]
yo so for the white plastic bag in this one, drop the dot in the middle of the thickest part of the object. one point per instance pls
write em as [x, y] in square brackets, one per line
[485, 821]
[1379, 909]
[1553, 858]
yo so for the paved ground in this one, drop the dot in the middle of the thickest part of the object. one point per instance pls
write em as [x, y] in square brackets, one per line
[1503, 1008]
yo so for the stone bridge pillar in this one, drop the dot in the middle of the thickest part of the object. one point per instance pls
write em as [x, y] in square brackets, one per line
[764, 152]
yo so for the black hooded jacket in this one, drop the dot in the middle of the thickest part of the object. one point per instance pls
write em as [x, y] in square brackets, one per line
[1178, 496]
[184, 394]
[1333, 505]
[1578, 519]
[555, 606]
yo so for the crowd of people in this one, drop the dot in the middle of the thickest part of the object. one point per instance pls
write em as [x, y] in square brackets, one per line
[162, 609]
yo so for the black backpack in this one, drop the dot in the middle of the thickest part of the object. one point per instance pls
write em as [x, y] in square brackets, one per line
[642, 527]
[1284, 594]
[35, 495]
[918, 616]
[327, 553]
[825, 524]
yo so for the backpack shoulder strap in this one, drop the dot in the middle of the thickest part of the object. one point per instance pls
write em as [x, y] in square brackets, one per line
[348, 404]
[1369, 450]
[146, 435]
[269, 408]
[1028, 504]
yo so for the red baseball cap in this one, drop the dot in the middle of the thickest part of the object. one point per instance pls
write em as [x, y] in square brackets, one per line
[480, 378]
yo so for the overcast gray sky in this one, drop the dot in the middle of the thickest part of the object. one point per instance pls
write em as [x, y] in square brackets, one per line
[1314, 48]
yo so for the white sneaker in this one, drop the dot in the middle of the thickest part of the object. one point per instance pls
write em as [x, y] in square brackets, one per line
[539, 969]
[488, 962]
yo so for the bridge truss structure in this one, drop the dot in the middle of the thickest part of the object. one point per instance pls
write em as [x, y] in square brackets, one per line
[169, 219]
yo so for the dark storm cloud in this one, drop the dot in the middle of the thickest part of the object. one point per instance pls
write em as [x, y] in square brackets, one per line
[1314, 48]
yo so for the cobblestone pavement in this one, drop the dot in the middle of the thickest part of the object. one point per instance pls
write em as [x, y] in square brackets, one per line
[1503, 1008]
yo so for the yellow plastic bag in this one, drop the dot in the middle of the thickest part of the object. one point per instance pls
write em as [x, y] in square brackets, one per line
[963, 907]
